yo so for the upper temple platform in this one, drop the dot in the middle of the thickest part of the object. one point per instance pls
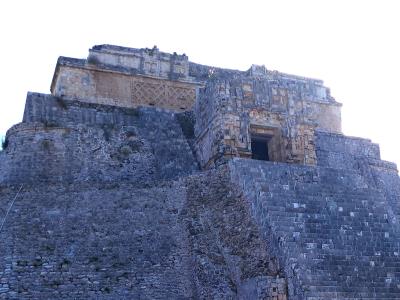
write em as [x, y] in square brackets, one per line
[129, 77]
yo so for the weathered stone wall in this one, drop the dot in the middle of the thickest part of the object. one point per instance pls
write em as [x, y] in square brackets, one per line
[63, 140]
[336, 232]
[186, 239]
[327, 116]
[151, 62]
[95, 241]
[228, 109]
[127, 77]
[231, 261]
[132, 77]
[233, 107]
[343, 152]
[88, 83]
[113, 205]
[270, 231]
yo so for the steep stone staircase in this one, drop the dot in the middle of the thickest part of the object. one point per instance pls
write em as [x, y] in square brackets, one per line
[337, 236]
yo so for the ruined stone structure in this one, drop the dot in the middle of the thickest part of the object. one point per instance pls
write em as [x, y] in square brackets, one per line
[127, 77]
[146, 176]
[233, 106]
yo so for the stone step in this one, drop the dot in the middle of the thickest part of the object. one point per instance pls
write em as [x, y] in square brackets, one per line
[321, 218]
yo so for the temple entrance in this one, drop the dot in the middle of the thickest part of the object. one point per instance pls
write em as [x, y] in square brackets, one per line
[259, 148]
[266, 143]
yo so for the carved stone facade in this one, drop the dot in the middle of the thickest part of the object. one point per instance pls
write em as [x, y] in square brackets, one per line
[232, 108]
[162, 93]
[231, 111]
[149, 80]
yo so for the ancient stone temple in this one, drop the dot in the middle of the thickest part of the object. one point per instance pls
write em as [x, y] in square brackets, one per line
[144, 175]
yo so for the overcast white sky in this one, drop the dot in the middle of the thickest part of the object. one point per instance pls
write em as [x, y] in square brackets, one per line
[354, 46]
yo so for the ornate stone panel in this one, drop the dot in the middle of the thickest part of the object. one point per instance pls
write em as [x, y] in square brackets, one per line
[164, 93]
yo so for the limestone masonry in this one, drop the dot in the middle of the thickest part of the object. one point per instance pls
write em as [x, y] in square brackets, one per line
[146, 176]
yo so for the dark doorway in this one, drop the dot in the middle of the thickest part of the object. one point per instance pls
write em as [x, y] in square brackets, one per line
[259, 148]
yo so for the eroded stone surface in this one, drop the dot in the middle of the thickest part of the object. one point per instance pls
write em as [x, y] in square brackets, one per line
[116, 203]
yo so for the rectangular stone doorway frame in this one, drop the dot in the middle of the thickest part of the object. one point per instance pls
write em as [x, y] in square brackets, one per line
[272, 136]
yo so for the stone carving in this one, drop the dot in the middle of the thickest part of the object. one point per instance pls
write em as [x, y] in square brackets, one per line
[162, 93]
[148, 92]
